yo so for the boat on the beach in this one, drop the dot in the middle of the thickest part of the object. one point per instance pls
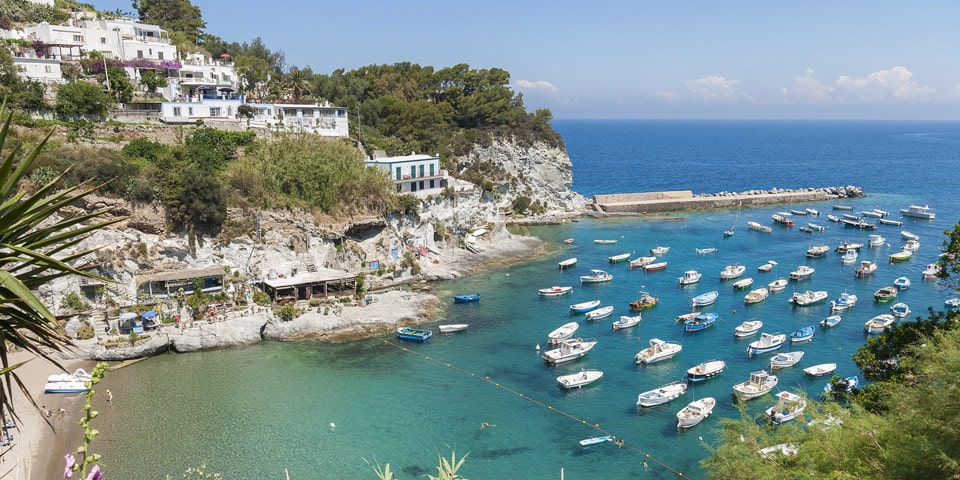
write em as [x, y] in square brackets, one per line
[602, 312]
[909, 236]
[661, 394]
[916, 211]
[767, 343]
[644, 302]
[748, 328]
[563, 332]
[900, 310]
[587, 442]
[659, 250]
[849, 257]
[789, 406]
[902, 283]
[777, 285]
[808, 297]
[641, 261]
[885, 294]
[866, 268]
[802, 334]
[846, 301]
[473, 297]
[658, 350]
[623, 257]
[802, 272]
[579, 379]
[760, 383]
[700, 322]
[584, 307]
[831, 321]
[627, 321]
[695, 412]
[604, 242]
[874, 241]
[568, 350]
[414, 334]
[878, 324]
[453, 327]
[785, 360]
[706, 251]
[705, 299]
[732, 271]
[820, 370]
[554, 291]
[705, 370]
[818, 251]
[76, 382]
[567, 263]
[756, 295]
[652, 267]
[596, 276]
[689, 277]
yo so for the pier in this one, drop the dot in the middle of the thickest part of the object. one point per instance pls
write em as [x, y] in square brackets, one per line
[679, 200]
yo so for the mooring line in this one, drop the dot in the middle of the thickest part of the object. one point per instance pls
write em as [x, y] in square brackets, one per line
[487, 379]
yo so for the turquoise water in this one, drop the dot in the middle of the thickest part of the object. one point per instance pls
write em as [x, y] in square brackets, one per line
[253, 412]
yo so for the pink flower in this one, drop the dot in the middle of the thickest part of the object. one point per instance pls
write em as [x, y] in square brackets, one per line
[95, 473]
[71, 461]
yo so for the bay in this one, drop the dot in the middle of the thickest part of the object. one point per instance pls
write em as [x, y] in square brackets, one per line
[320, 410]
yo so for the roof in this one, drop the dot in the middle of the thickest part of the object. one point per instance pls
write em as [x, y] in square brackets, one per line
[416, 157]
[322, 275]
[182, 274]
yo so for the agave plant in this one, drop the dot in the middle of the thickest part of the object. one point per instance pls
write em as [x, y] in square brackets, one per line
[447, 469]
[37, 245]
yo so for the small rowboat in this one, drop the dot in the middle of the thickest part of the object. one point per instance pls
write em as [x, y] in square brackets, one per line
[554, 291]
[579, 379]
[584, 307]
[748, 328]
[453, 327]
[626, 322]
[568, 241]
[568, 263]
[705, 299]
[650, 267]
[605, 242]
[564, 332]
[705, 370]
[623, 257]
[473, 297]
[602, 312]
[820, 370]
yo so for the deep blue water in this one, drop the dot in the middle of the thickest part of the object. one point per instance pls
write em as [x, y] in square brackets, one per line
[253, 412]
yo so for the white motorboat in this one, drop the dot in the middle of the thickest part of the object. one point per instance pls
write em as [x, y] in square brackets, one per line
[809, 297]
[820, 370]
[952, 303]
[768, 342]
[78, 375]
[909, 236]
[849, 257]
[766, 267]
[902, 283]
[76, 382]
[658, 250]
[866, 268]
[760, 383]
[579, 379]
[874, 241]
[564, 332]
[732, 271]
[833, 218]
[641, 261]
[778, 285]
[756, 295]
[813, 211]
[657, 351]
[554, 291]
[627, 321]
[846, 301]
[816, 227]
[818, 251]
[602, 312]
[758, 227]
[689, 277]
[742, 283]
[788, 407]
[453, 327]
[661, 394]
[831, 321]
[705, 370]
[916, 211]
[748, 328]
[878, 324]
[596, 276]
[567, 263]
[802, 272]
[933, 269]
[785, 359]
[845, 245]
[709, 250]
[570, 349]
[695, 412]
[911, 245]
[900, 310]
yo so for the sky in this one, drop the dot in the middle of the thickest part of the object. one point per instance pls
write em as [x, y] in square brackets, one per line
[731, 59]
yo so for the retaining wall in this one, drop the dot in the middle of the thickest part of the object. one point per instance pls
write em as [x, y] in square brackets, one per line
[684, 200]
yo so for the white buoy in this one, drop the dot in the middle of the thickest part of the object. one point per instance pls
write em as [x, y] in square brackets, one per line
[538, 347]
[333, 426]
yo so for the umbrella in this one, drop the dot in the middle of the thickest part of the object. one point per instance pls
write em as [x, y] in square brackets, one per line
[226, 89]
[204, 87]
[148, 314]
[128, 316]
[224, 55]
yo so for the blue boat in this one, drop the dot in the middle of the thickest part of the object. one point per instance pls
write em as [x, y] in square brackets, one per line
[700, 322]
[466, 298]
[414, 334]
[804, 334]
[705, 299]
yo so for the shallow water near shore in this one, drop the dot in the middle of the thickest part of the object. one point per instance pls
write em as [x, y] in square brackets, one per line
[318, 410]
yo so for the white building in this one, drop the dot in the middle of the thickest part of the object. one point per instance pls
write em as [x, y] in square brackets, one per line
[41, 70]
[417, 174]
[202, 107]
[198, 75]
[323, 120]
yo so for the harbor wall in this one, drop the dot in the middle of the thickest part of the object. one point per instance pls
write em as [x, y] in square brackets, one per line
[648, 202]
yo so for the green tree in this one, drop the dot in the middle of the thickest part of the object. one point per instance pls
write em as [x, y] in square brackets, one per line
[79, 98]
[174, 15]
[34, 246]
[121, 89]
[152, 81]
[20, 93]
[297, 82]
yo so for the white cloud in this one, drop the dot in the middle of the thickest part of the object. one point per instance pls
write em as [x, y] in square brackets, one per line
[671, 96]
[895, 84]
[715, 88]
[542, 86]
[807, 89]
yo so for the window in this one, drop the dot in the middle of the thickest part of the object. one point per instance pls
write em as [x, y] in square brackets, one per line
[159, 55]
[431, 169]
[139, 53]
[398, 174]
[421, 170]
[413, 186]
[215, 111]
[176, 111]
[47, 69]
[432, 185]
[103, 40]
[78, 38]
[413, 171]
[421, 184]
[190, 111]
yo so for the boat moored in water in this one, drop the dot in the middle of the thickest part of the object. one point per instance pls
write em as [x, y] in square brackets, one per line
[705, 370]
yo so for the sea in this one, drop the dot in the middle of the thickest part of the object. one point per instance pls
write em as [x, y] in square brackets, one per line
[313, 410]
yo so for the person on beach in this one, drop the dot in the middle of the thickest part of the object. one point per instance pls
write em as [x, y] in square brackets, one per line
[109, 396]
[45, 411]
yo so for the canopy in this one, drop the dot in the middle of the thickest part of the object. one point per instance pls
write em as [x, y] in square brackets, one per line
[148, 314]
[226, 89]
[128, 316]
[204, 87]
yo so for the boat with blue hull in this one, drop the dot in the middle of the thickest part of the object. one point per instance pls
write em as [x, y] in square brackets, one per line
[700, 322]
[705, 370]
[414, 334]
[475, 297]
[767, 343]
[804, 334]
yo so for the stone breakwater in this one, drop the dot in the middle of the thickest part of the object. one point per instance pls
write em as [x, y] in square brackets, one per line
[650, 202]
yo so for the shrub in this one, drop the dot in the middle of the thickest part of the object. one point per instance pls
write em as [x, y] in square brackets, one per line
[85, 332]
